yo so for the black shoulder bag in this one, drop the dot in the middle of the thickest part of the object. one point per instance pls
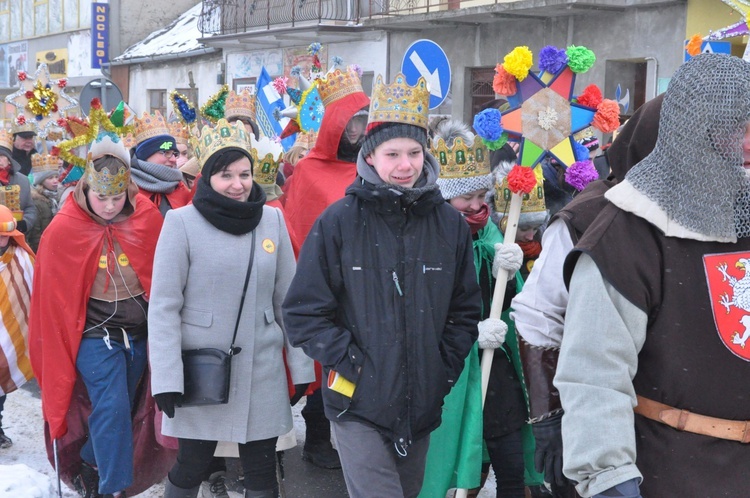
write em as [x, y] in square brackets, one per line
[207, 371]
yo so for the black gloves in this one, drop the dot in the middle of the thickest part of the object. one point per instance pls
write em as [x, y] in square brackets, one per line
[21, 226]
[627, 489]
[166, 402]
[548, 457]
[299, 391]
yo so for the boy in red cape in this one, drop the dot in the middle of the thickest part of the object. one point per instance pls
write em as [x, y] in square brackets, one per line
[87, 330]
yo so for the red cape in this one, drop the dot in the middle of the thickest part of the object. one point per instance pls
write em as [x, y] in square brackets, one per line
[320, 179]
[65, 269]
[180, 196]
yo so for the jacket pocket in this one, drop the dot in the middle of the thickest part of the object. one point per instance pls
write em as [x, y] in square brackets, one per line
[200, 318]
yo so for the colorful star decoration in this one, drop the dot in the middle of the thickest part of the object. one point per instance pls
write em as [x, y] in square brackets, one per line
[40, 101]
[544, 113]
[738, 29]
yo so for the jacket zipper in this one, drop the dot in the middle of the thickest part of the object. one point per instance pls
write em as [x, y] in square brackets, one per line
[402, 444]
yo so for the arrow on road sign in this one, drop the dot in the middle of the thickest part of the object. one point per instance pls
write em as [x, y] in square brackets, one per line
[433, 79]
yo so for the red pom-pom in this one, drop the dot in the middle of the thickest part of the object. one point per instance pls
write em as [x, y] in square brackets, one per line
[21, 75]
[61, 122]
[96, 103]
[503, 83]
[29, 94]
[55, 150]
[591, 97]
[521, 179]
[21, 119]
[54, 107]
[607, 117]
[62, 83]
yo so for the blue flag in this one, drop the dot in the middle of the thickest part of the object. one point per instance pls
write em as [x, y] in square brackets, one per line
[268, 99]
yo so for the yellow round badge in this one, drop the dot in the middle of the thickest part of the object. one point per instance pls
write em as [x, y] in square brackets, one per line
[103, 261]
[123, 260]
[269, 246]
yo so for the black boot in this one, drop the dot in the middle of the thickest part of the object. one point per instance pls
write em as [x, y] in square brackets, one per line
[318, 449]
[87, 481]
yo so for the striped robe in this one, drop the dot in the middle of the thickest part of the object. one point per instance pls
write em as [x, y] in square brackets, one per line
[16, 275]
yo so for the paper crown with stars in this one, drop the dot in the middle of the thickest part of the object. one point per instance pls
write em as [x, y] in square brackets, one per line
[150, 126]
[179, 132]
[240, 105]
[222, 135]
[105, 182]
[266, 156]
[41, 163]
[6, 139]
[399, 102]
[338, 84]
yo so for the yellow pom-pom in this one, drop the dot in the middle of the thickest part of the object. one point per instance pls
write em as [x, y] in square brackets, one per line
[519, 62]
[694, 45]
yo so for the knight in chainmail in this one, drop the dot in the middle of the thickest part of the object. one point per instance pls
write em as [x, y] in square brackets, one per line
[659, 307]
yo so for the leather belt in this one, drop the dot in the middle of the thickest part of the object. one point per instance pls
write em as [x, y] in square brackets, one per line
[684, 420]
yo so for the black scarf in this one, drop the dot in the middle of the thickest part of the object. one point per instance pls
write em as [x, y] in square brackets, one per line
[226, 214]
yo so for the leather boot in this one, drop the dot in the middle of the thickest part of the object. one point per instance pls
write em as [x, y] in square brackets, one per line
[172, 491]
[318, 449]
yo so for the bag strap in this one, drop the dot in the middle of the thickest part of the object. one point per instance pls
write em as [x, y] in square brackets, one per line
[233, 349]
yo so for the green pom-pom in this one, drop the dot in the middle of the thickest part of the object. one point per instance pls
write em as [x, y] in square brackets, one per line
[496, 144]
[580, 59]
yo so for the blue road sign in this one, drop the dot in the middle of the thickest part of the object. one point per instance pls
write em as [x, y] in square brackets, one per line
[712, 47]
[425, 58]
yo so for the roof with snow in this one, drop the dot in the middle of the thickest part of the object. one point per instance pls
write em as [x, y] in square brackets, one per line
[180, 37]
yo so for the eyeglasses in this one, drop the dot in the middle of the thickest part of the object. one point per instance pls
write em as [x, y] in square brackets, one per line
[169, 154]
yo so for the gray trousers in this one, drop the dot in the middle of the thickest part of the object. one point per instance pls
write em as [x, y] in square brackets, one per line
[372, 467]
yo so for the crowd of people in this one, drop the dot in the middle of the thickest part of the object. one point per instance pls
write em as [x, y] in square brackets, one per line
[359, 270]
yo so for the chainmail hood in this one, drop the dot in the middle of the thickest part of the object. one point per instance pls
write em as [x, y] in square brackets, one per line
[693, 184]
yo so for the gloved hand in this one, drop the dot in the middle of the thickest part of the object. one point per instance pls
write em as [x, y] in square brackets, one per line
[548, 457]
[21, 226]
[627, 489]
[492, 333]
[166, 402]
[508, 257]
[299, 391]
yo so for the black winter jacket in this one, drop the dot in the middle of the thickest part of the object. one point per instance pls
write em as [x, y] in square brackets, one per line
[390, 288]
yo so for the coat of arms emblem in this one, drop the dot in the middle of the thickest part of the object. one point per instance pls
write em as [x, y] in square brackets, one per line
[728, 278]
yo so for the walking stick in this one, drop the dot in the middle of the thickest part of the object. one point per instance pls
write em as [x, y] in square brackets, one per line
[57, 468]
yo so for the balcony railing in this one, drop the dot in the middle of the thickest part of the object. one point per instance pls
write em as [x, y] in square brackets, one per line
[238, 16]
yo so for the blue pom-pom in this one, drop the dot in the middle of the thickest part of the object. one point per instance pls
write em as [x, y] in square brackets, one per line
[552, 59]
[337, 61]
[487, 124]
[295, 71]
[580, 152]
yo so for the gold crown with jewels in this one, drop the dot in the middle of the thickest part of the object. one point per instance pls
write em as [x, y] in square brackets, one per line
[44, 162]
[213, 138]
[104, 182]
[179, 132]
[400, 102]
[337, 84]
[461, 161]
[6, 139]
[240, 105]
[150, 126]
[266, 156]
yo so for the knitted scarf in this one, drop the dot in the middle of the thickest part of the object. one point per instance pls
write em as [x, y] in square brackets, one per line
[229, 215]
[153, 177]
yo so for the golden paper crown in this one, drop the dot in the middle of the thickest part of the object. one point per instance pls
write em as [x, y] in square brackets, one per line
[240, 105]
[306, 140]
[103, 182]
[219, 136]
[150, 126]
[6, 139]
[338, 84]
[20, 128]
[533, 203]
[461, 161]
[129, 141]
[266, 156]
[179, 132]
[399, 102]
[44, 162]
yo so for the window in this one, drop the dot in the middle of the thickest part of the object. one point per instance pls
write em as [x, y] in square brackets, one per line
[481, 88]
[157, 101]
[20, 19]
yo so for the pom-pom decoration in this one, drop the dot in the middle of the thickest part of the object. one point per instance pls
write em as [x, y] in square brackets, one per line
[580, 174]
[518, 62]
[336, 61]
[280, 84]
[504, 83]
[295, 72]
[185, 109]
[694, 45]
[20, 120]
[552, 59]
[314, 48]
[62, 83]
[580, 152]
[213, 110]
[590, 97]
[487, 124]
[357, 69]
[580, 59]
[40, 100]
[521, 180]
[607, 117]
[84, 132]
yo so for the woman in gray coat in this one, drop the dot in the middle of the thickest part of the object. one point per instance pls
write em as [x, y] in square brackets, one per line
[199, 272]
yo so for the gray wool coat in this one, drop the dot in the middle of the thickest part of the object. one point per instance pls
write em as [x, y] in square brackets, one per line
[199, 272]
